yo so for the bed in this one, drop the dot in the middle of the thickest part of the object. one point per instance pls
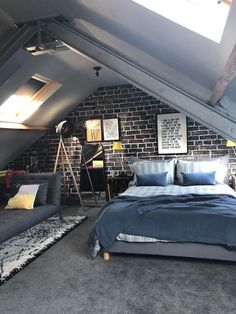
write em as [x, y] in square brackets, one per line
[194, 220]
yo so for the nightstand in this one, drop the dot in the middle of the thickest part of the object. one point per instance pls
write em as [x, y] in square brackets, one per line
[117, 185]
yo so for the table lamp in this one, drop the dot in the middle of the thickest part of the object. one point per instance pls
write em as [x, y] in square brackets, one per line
[231, 144]
[117, 146]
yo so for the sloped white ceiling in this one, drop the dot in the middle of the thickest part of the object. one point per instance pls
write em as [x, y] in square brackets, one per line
[183, 58]
[72, 70]
[78, 80]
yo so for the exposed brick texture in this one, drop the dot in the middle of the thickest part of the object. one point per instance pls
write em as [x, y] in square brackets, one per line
[137, 113]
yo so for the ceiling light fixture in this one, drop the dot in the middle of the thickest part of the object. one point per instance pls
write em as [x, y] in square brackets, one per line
[97, 69]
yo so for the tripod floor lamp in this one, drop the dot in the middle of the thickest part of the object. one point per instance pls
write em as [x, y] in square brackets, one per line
[63, 129]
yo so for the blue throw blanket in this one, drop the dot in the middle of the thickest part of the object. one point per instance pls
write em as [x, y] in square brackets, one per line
[185, 218]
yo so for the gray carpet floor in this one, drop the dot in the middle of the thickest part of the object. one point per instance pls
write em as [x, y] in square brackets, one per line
[66, 280]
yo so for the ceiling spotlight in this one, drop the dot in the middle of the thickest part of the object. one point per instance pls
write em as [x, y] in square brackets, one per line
[97, 69]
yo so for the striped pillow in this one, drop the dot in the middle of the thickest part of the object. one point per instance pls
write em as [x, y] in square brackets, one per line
[154, 166]
[202, 166]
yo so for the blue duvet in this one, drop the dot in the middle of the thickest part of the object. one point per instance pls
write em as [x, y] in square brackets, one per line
[184, 218]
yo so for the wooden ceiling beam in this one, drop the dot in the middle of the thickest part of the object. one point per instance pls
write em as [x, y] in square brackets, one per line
[20, 126]
[229, 73]
[229, 2]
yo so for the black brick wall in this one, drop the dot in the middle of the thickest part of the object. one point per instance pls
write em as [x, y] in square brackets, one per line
[137, 113]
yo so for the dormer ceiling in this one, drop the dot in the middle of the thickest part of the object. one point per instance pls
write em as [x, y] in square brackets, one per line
[177, 56]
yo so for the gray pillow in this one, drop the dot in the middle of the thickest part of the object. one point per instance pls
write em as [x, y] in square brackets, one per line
[41, 196]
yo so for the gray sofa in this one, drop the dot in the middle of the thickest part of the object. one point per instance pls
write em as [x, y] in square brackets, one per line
[15, 221]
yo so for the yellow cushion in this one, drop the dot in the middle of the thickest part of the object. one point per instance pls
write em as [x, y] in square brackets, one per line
[21, 201]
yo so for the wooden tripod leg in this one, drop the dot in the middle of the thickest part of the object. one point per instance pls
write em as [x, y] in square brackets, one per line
[63, 173]
[73, 176]
[58, 153]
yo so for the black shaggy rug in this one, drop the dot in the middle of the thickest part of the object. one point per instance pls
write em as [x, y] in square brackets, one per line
[22, 249]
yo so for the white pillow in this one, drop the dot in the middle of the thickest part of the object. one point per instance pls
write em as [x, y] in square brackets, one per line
[29, 189]
[25, 197]
[202, 166]
[154, 166]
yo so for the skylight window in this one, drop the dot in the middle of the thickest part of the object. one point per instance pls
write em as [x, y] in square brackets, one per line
[27, 99]
[205, 17]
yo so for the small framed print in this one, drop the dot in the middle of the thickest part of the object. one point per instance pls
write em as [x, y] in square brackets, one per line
[93, 130]
[172, 134]
[111, 129]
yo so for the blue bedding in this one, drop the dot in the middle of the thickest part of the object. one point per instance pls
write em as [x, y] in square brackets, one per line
[184, 218]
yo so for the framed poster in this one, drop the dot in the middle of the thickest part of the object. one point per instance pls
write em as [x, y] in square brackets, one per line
[172, 133]
[93, 130]
[111, 129]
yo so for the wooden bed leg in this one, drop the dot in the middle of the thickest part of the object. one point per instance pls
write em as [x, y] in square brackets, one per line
[106, 256]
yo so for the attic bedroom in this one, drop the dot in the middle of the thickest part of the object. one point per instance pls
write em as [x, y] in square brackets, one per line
[118, 160]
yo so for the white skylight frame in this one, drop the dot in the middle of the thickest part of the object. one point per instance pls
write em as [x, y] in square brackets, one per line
[205, 17]
[17, 108]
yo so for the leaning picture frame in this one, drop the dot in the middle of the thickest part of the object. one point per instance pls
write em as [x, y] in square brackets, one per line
[111, 130]
[93, 130]
[172, 134]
